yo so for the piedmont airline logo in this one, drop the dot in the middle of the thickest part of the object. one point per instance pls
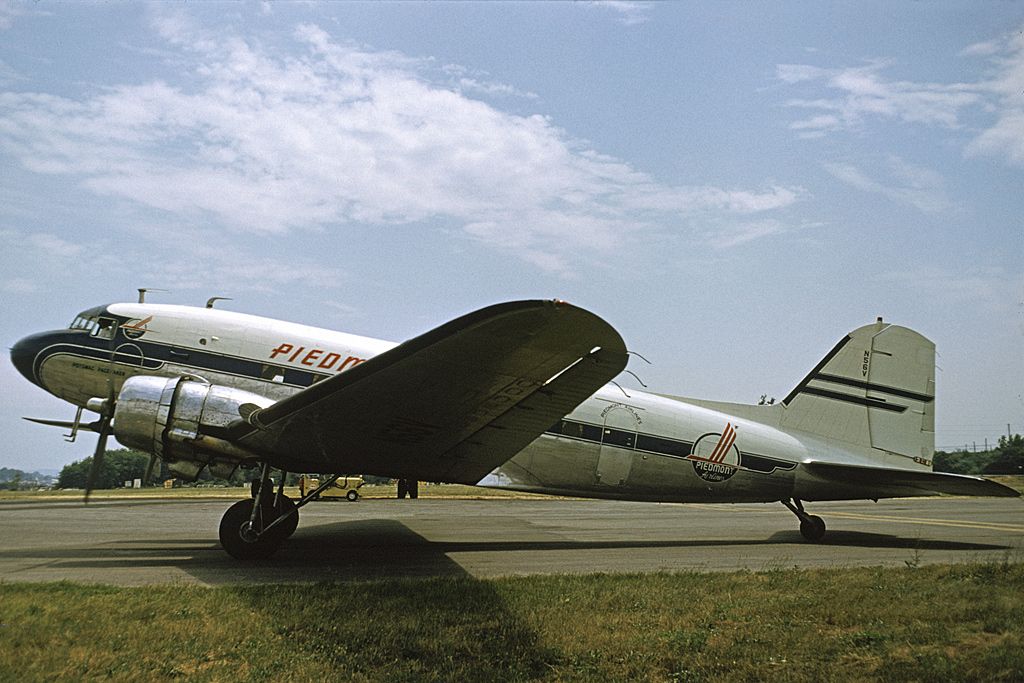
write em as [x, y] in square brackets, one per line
[715, 456]
[133, 329]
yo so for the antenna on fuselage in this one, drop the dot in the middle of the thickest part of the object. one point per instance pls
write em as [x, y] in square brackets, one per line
[143, 290]
[212, 299]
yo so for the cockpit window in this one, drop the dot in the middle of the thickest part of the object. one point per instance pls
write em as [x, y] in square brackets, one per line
[95, 323]
[86, 323]
[104, 328]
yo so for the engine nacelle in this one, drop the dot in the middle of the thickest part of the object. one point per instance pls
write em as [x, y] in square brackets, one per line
[170, 416]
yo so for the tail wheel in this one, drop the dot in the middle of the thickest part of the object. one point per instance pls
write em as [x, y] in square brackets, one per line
[238, 537]
[813, 528]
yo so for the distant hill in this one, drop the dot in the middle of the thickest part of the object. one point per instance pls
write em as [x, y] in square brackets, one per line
[8, 475]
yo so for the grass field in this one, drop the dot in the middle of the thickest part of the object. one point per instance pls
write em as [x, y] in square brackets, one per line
[948, 623]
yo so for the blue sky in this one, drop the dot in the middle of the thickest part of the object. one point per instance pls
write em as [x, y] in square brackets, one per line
[734, 186]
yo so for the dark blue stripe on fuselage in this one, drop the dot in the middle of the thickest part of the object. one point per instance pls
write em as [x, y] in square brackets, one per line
[658, 445]
[155, 355]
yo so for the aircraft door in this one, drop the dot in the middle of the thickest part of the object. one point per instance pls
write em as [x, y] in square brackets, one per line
[126, 355]
[618, 439]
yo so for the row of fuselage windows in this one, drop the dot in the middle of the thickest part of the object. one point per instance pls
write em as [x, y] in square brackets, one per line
[621, 438]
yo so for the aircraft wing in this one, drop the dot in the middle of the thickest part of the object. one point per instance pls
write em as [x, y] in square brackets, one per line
[449, 405]
[896, 482]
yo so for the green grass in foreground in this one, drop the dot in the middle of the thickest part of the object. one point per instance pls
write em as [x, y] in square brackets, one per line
[948, 623]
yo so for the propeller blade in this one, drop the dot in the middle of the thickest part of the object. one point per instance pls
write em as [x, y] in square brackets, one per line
[148, 476]
[97, 458]
[106, 410]
[66, 424]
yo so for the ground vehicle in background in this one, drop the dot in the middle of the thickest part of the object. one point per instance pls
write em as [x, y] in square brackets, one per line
[343, 487]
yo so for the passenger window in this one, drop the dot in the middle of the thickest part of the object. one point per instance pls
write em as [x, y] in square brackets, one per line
[272, 373]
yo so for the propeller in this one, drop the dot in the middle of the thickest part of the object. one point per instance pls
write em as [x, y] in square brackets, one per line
[150, 467]
[66, 424]
[105, 407]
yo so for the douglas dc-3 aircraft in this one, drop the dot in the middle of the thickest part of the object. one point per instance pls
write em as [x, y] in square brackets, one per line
[518, 395]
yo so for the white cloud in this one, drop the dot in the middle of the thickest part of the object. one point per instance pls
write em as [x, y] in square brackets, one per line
[907, 184]
[1006, 135]
[236, 271]
[989, 286]
[19, 285]
[983, 49]
[493, 88]
[745, 232]
[847, 97]
[335, 135]
[864, 93]
[627, 12]
[9, 12]
[53, 245]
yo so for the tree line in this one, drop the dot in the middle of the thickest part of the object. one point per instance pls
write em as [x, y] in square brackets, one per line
[1006, 458]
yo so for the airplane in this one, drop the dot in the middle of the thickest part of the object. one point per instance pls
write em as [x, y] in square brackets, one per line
[518, 395]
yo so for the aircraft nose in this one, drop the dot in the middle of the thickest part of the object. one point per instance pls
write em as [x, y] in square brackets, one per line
[23, 356]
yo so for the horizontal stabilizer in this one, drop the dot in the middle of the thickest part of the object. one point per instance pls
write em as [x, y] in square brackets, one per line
[921, 482]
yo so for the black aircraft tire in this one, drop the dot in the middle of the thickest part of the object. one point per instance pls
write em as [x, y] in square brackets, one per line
[235, 544]
[352, 495]
[286, 528]
[402, 490]
[813, 528]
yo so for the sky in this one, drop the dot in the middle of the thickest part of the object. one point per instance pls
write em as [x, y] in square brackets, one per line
[733, 186]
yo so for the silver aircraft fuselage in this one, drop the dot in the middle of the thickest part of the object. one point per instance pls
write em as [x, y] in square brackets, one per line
[617, 444]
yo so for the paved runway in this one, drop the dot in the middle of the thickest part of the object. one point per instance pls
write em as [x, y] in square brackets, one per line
[132, 543]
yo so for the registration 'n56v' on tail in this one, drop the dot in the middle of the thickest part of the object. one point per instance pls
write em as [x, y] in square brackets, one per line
[518, 395]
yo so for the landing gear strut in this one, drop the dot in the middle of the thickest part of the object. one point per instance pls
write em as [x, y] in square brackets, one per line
[254, 528]
[812, 527]
[408, 487]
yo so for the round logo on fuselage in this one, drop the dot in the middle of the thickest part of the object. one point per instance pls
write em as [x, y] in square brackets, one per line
[133, 329]
[715, 457]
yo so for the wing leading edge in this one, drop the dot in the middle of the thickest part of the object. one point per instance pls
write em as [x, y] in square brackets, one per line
[451, 404]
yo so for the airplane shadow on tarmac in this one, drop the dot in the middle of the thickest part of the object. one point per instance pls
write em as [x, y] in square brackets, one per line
[387, 548]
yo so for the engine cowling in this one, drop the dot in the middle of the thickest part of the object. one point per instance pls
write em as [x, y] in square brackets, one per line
[180, 419]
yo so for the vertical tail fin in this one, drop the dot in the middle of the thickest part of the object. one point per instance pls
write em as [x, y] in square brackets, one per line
[875, 389]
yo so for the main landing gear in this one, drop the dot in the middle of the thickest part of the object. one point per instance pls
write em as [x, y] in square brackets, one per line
[253, 529]
[812, 527]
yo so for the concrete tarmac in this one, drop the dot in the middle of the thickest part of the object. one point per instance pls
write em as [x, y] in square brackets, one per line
[136, 543]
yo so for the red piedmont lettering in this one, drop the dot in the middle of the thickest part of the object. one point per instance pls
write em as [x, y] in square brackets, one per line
[283, 348]
[329, 360]
[312, 356]
[350, 360]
